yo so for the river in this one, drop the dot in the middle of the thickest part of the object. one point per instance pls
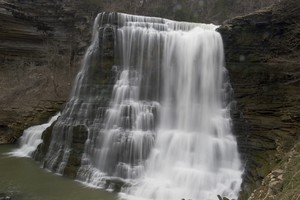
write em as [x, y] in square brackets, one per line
[23, 179]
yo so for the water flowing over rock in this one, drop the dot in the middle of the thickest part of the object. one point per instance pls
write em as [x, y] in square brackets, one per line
[31, 139]
[151, 105]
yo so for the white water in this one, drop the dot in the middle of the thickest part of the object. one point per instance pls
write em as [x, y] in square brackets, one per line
[31, 139]
[168, 129]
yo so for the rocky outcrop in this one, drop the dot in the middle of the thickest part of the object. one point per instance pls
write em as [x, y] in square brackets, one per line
[267, 117]
[264, 35]
[262, 52]
[283, 182]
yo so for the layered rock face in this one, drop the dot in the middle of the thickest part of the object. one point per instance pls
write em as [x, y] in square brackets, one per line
[42, 43]
[262, 52]
[205, 11]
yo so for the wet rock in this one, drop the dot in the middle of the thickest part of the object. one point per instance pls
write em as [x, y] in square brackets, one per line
[3, 196]
[40, 153]
[80, 134]
[222, 198]
[116, 184]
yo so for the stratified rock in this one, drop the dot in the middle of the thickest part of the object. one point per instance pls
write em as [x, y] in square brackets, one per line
[42, 148]
[80, 134]
[262, 52]
[283, 182]
[43, 41]
[264, 35]
[42, 44]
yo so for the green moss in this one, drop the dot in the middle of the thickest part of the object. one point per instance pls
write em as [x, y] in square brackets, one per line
[292, 175]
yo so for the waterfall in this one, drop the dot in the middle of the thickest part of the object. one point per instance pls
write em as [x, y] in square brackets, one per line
[154, 99]
[31, 138]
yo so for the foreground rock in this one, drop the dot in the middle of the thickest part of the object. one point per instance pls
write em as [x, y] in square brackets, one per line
[262, 52]
[283, 182]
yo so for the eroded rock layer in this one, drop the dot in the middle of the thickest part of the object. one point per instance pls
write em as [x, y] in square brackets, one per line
[42, 43]
[262, 52]
[40, 48]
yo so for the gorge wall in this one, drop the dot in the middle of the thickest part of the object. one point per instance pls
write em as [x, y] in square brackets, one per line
[42, 43]
[42, 49]
[262, 52]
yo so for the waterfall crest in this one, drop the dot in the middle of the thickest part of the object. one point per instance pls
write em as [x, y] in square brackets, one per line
[159, 119]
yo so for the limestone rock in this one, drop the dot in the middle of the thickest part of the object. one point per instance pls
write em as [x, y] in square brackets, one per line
[262, 54]
[40, 52]
[80, 134]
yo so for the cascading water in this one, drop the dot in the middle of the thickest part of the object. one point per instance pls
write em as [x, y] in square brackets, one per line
[31, 138]
[166, 128]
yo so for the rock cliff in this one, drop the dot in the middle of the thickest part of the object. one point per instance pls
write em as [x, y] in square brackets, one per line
[262, 52]
[40, 51]
[42, 43]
